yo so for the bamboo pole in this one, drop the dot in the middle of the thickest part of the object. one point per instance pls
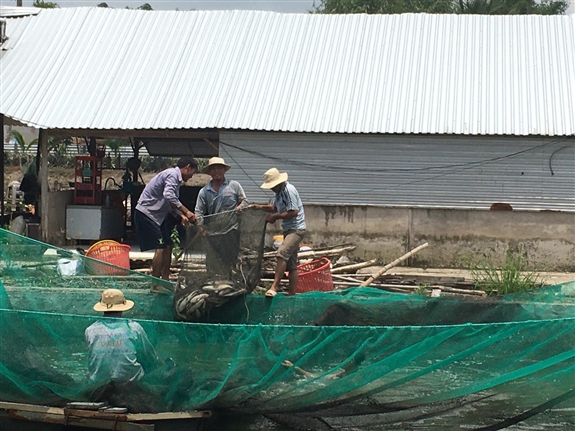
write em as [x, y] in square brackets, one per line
[346, 278]
[353, 267]
[316, 253]
[392, 264]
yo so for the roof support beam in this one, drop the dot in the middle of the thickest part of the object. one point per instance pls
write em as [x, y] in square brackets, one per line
[212, 134]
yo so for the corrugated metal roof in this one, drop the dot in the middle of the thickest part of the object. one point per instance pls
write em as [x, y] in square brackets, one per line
[17, 11]
[412, 73]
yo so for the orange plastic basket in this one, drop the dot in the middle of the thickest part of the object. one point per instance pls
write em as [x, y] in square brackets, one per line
[111, 252]
[314, 275]
[100, 243]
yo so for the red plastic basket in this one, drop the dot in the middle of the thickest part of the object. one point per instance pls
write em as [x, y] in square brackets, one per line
[314, 275]
[110, 252]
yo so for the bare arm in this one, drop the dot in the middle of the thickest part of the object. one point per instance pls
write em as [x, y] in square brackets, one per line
[282, 216]
[297, 369]
[270, 208]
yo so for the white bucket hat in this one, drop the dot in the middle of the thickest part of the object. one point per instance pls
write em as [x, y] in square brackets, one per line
[113, 300]
[273, 177]
[216, 161]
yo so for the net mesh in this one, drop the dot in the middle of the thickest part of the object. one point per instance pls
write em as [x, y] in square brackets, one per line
[219, 265]
[355, 352]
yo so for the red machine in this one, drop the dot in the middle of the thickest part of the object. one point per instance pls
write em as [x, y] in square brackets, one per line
[88, 180]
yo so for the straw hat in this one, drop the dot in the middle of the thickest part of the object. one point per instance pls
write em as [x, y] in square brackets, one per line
[113, 300]
[216, 161]
[273, 177]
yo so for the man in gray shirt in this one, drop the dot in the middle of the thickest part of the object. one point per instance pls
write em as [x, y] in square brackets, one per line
[217, 209]
[159, 210]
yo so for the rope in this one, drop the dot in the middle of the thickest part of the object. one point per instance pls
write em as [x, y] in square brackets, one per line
[216, 214]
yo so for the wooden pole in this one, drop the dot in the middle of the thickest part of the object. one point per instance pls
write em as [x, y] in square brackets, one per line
[316, 253]
[43, 176]
[392, 264]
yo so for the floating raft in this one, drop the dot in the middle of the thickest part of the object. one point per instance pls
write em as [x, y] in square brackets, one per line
[97, 415]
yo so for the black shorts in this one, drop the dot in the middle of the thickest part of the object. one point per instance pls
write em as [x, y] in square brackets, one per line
[150, 235]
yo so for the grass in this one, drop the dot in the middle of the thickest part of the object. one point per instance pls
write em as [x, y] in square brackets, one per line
[511, 277]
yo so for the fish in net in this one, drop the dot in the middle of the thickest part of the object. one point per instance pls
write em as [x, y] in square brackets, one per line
[219, 264]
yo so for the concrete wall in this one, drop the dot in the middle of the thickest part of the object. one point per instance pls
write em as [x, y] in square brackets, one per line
[457, 238]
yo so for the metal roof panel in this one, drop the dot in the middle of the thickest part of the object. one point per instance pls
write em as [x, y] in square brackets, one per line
[98, 68]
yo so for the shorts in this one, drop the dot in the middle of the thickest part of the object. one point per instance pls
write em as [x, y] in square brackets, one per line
[290, 246]
[150, 235]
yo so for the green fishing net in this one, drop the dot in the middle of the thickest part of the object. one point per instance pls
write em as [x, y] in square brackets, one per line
[358, 356]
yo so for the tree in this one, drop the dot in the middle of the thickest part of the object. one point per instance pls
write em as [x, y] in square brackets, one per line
[115, 145]
[384, 6]
[45, 4]
[103, 5]
[145, 6]
[22, 147]
[512, 7]
[483, 7]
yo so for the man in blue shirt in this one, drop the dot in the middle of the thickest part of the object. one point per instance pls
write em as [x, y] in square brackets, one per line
[159, 210]
[217, 210]
[119, 349]
[288, 208]
[119, 355]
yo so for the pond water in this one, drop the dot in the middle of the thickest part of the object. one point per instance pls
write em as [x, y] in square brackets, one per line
[556, 419]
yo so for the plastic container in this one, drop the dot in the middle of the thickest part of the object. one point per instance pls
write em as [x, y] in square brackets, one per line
[305, 248]
[68, 267]
[315, 275]
[278, 239]
[111, 252]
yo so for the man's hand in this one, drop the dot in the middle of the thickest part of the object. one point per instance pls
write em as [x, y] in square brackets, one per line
[188, 218]
[272, 218]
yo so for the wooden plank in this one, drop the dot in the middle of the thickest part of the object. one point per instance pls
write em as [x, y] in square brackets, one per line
[30, 407]
[194, 414]
[62, 419]
[54, 412]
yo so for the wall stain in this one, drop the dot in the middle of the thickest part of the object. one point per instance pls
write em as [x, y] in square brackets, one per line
[328, 211]
[346, 212]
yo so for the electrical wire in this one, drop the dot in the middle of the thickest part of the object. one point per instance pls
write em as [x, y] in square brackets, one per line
[448, 169]
[318, 166]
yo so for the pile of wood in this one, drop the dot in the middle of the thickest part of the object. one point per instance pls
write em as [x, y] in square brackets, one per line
[346, 274]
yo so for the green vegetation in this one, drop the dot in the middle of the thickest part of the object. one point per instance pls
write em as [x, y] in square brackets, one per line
[45, 4]
[177, 250]
[23, 148]
[483, 7]
[511, 277]
[422, 289]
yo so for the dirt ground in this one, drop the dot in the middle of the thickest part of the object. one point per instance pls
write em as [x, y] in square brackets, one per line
[64, 175]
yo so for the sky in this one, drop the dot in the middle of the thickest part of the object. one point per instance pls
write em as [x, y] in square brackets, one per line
[291, 6]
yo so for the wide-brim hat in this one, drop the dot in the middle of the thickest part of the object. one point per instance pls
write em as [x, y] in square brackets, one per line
[113, 300]
[216, 161]
[273, 177]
